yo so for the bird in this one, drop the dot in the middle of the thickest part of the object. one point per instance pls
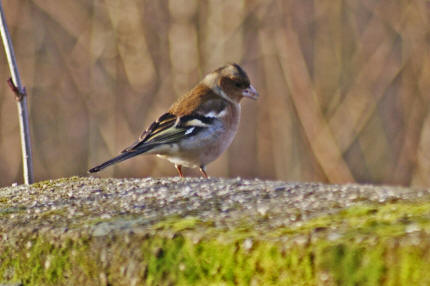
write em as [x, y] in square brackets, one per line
[199, 126]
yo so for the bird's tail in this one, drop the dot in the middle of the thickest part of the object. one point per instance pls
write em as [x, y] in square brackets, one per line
[119, 158]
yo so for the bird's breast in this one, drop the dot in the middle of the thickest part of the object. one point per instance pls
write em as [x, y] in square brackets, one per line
[209, 143]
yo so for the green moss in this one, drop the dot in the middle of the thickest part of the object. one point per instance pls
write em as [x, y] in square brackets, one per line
[381, 220]
[354, 264]
[43, 262]
[6, 210]
[178, 224]
[359, 253]
[50, 213]
[53, 183]
[180, 261]
[362, 245]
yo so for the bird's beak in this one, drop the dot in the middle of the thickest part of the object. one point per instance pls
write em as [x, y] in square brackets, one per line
[250, 92]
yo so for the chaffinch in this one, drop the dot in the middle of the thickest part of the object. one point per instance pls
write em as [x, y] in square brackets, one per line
[199, 126]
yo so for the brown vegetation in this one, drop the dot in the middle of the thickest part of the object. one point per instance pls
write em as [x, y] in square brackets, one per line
[344, 85]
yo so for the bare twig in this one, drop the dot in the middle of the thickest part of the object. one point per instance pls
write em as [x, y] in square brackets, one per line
[19, 90]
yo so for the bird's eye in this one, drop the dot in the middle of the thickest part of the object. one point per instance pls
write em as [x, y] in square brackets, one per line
[239, 85]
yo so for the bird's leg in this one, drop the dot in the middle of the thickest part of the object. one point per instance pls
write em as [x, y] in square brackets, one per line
[179, 168]
[202, 170]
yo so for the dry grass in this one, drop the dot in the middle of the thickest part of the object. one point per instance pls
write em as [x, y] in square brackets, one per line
[344, 84]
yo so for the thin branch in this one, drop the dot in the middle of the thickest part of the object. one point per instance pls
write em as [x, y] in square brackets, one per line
[19, 90]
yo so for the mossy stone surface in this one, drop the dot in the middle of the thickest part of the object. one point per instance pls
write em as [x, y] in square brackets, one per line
[194, 231]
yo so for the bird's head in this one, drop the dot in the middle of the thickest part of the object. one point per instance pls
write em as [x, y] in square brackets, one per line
[231, 81]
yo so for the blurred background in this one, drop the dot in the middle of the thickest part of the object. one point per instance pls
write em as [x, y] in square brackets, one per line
[344, 85]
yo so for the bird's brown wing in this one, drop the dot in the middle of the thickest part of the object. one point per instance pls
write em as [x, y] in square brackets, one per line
[163, 123]
[170, 129]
